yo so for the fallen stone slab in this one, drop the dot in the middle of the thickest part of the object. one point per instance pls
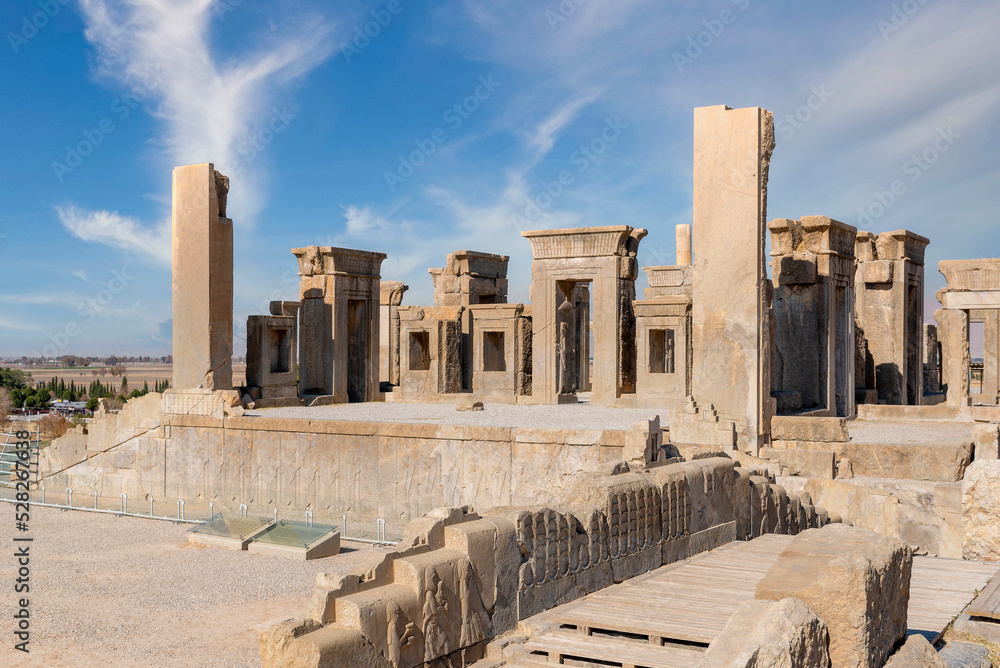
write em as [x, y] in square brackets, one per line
[965, 655]
[916, 653]
[856, 581]
[762, 634]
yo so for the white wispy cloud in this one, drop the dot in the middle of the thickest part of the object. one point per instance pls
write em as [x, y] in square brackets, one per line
[208, 105]
[112, 229]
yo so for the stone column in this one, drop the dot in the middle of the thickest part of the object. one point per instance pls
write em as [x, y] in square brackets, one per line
[391, 296]
[202, 280]
[683, 245]
[953, 334]
[732, 152]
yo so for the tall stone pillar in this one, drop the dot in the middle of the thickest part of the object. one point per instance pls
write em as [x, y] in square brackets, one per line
[730, 332]
[202, 280]
[683, 245]
[953, 335]
[391, 296]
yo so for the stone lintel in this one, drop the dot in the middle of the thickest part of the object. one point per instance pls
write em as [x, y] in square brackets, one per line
[584, 242]
[328, 261]
[971, 275]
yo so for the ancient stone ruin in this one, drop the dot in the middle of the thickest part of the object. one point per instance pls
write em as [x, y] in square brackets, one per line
[763, 460]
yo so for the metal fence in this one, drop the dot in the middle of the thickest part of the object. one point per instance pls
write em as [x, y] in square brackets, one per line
[181, 517]
[11, 462]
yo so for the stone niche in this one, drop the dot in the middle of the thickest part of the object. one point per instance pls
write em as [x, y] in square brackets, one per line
[272, 356]
[730, 314]
[430, 351]
[501, 364]
[813, 268]
[889, 317]
[467, 279]
[391, 296]
[663, 337]
[604, 259]
[202, 280]
[972, 296]
[339, 325]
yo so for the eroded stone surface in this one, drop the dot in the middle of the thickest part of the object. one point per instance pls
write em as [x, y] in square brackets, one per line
[916, 653]
[769, 634]
[856, 581]
[981, 510]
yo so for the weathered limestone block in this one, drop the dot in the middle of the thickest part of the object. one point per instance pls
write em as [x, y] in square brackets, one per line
[817, 429]
[856, 581]
[767, 634]
[936, 462]
[275, 640]
[730, 324]
[807, 463]
[329, 647]
[987, 438]
[202, 280]
[981, 510]
[916, 653]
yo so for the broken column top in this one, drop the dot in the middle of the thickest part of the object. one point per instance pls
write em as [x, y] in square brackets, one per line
[475, 263]
[391, 293]
[668, 281]
[284, 308]
[326, 260]
[971, 275]
[816, 234]
[896, 245]
[615, 240]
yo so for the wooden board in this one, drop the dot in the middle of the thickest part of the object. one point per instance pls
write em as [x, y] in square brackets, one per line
[690, 602]
[987, 604]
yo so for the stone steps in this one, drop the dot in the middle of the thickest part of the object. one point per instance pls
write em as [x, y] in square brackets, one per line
[559, 645]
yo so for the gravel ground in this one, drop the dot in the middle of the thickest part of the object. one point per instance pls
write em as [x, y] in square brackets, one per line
[865, 431]
[566, 416]
[124, 592]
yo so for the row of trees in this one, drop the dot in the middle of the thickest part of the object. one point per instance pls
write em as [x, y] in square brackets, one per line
[75, 361]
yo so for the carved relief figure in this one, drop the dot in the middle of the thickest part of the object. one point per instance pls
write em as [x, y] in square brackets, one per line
[567, 360]
[400, 633]
[475, 621]
[435, 605]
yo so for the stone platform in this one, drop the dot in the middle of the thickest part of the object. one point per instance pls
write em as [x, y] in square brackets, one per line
[563, 416]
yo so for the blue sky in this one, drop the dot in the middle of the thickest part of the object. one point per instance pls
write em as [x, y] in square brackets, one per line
[334, 137]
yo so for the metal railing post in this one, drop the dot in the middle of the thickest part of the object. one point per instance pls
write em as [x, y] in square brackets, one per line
[69, 497]
[243, 510]
[95, 499]
[309, 518]
[124, 503]
[180, 509]
[43, 493]
[211, 509]
[345, 526]
[276, 515]
[150, 506]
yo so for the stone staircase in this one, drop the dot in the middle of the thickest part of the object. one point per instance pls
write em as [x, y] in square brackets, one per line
[624, 650]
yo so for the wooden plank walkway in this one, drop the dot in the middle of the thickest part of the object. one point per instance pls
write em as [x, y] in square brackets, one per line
[668, 617]
[987, 604]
